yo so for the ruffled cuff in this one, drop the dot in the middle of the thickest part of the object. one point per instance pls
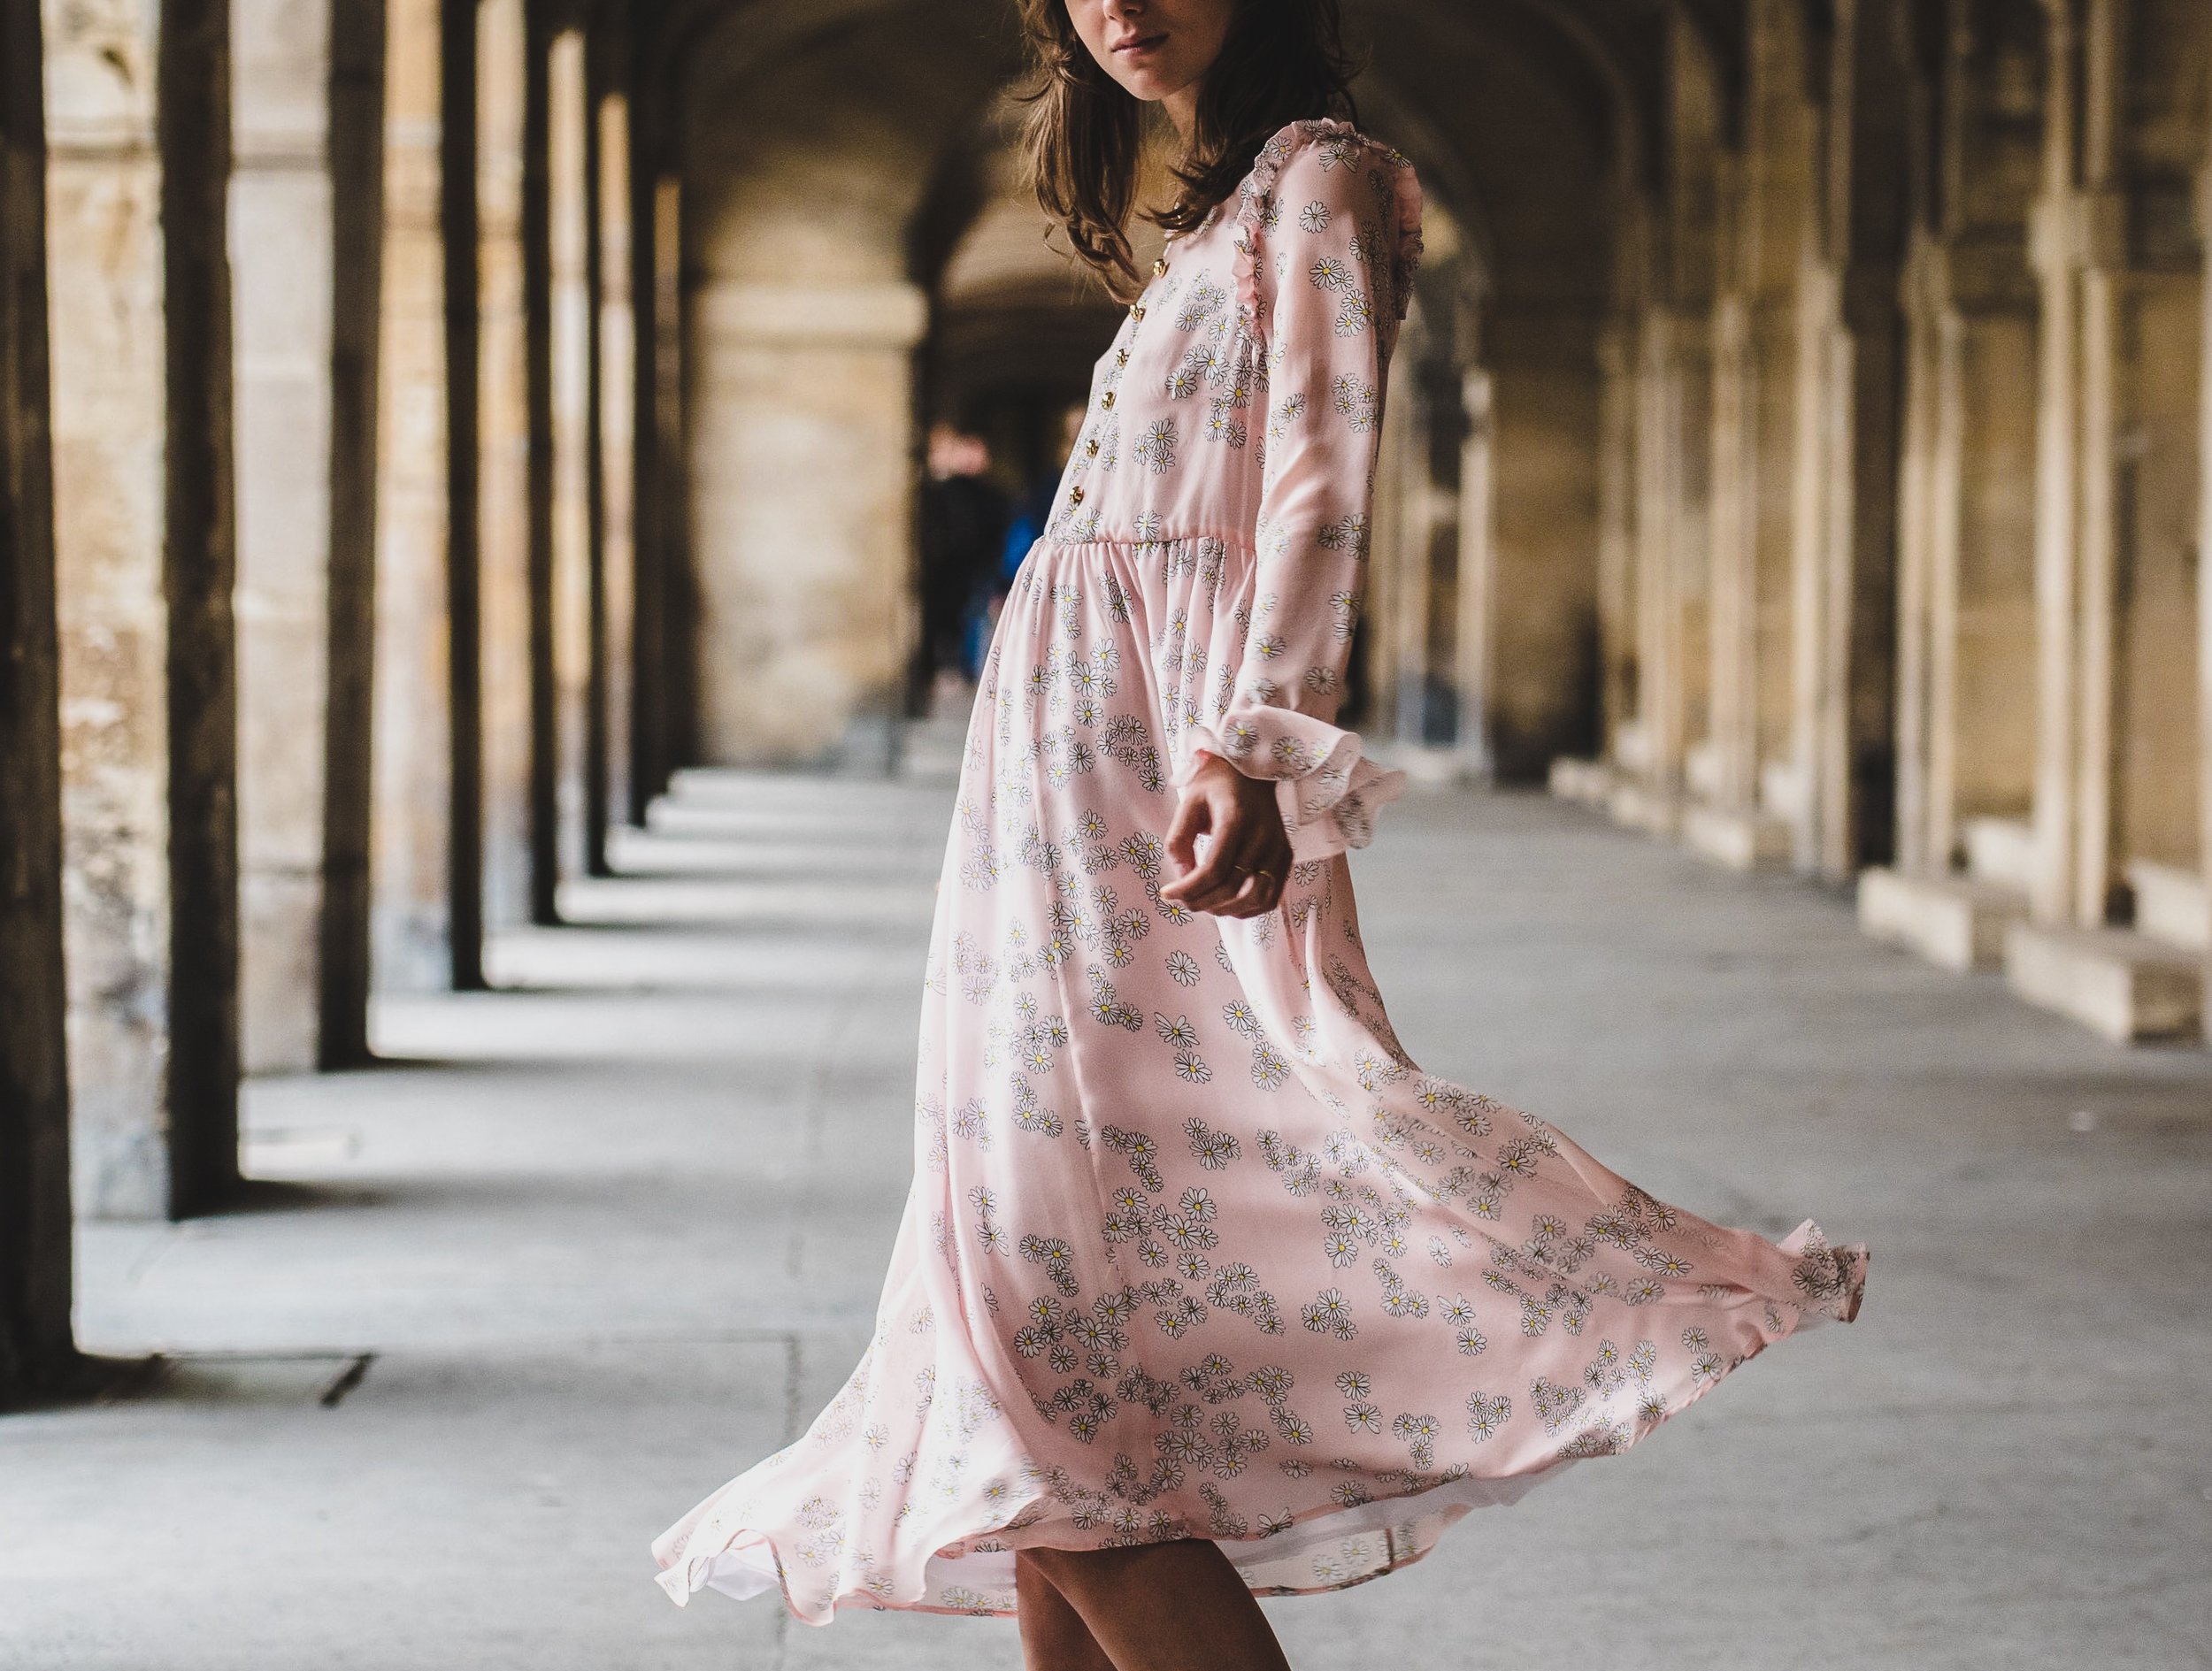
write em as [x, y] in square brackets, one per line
[1327, 807]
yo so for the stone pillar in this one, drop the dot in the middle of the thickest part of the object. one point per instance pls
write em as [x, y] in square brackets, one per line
[1403, 611]
[36, 1351]
[609, 767]
[1617, 536]
[1474, 661]
[1733, 608]
[140, 324]
[2055, 253]
[2204, 549]
[281, 220]
[304, 212]
[357, 51]
[1916, 532]
[201, 581]
[648, 762]
[460, 216]
[796, 387]
[670, 677]
[1846, 482]
[535, 227]
[411, 730]
[1659, 536]
[574, 507]
[504, 469]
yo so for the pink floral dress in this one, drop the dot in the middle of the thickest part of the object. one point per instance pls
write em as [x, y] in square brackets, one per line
[1195, 1249]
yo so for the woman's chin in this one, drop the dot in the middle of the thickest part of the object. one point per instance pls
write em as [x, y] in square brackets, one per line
[1150, 85]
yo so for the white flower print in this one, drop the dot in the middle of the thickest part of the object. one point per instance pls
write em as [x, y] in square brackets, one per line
[1155, 448]
[1355, 403]
[1314, 217]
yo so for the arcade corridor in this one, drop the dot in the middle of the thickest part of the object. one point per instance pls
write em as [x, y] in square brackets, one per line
[473, 770]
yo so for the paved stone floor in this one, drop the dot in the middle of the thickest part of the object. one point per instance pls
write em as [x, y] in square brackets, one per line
[585, 1246]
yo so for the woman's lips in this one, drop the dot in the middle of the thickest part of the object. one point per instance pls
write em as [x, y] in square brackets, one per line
[1142, 43]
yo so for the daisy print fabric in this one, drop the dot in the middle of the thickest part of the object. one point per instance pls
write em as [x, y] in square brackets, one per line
[1195, 1248]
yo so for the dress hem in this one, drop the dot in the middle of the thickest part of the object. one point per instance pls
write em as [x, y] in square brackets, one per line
[688, 1573]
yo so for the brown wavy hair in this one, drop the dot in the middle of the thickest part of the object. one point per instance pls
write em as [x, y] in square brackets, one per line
[1282, 61]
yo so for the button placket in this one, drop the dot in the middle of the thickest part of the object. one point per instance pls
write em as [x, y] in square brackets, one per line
[1121, 360]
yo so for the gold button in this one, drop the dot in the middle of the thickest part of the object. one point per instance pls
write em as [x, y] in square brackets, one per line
[1159, 268]
[1075, 494]
[1121, 357]
[1107, 399]
[1090, 447]
[1136, 310]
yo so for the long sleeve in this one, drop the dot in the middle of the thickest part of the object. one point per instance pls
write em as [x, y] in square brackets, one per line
[1331, 235]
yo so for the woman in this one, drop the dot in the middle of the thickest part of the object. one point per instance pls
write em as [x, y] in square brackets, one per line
[1204, 1289]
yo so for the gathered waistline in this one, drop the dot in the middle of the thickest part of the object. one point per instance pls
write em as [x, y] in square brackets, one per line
[1242, 542]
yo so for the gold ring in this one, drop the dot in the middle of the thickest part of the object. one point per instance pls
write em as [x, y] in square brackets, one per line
[1239, 870]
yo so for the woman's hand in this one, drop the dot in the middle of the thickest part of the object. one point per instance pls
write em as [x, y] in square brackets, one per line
[1249, 856]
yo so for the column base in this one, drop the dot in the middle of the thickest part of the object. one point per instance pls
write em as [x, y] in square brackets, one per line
[2172, 906]
[1954, 922]
[2000, 850]
[2119, 983]
[1588, 782]
[1738, 840]
[1637, 806]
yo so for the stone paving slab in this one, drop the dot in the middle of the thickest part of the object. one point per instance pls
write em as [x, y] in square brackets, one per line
[617, 1232]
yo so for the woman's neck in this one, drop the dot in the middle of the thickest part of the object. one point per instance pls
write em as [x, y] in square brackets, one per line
[1182, 110]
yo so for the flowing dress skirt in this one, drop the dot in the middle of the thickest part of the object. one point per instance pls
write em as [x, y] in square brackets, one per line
[1195, 1248]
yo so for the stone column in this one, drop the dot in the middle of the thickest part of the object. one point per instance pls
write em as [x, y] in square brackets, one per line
[1660, 696]
[36, 1351]
[2055, 254]
[535, 227]
[504, 468]
[609, 769]
[793, 386]
[140, 324]
[649, 760]
[460, 218]
[411, 730]
[2204, 550]
[666, 685]
[1846, 482]
[572, 512]
[1409, 547]
[1617, 535]
[201, 579]
[305, 212]
[281, 217]
[1732, 629]
[1919, 532]
[357, 49]
[1474, 660]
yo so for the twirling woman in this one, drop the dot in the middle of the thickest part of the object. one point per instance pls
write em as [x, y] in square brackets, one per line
[1204, 1290]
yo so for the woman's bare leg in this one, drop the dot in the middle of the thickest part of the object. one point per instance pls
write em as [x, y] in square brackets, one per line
[1177, 1606]
[1054, 1636]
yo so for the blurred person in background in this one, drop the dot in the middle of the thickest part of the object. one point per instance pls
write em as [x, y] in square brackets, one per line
[963, 523]
[1025, 522]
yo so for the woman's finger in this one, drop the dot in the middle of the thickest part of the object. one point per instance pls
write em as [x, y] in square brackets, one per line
[1202, 877]
[1193, 817]
[1238, 861]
